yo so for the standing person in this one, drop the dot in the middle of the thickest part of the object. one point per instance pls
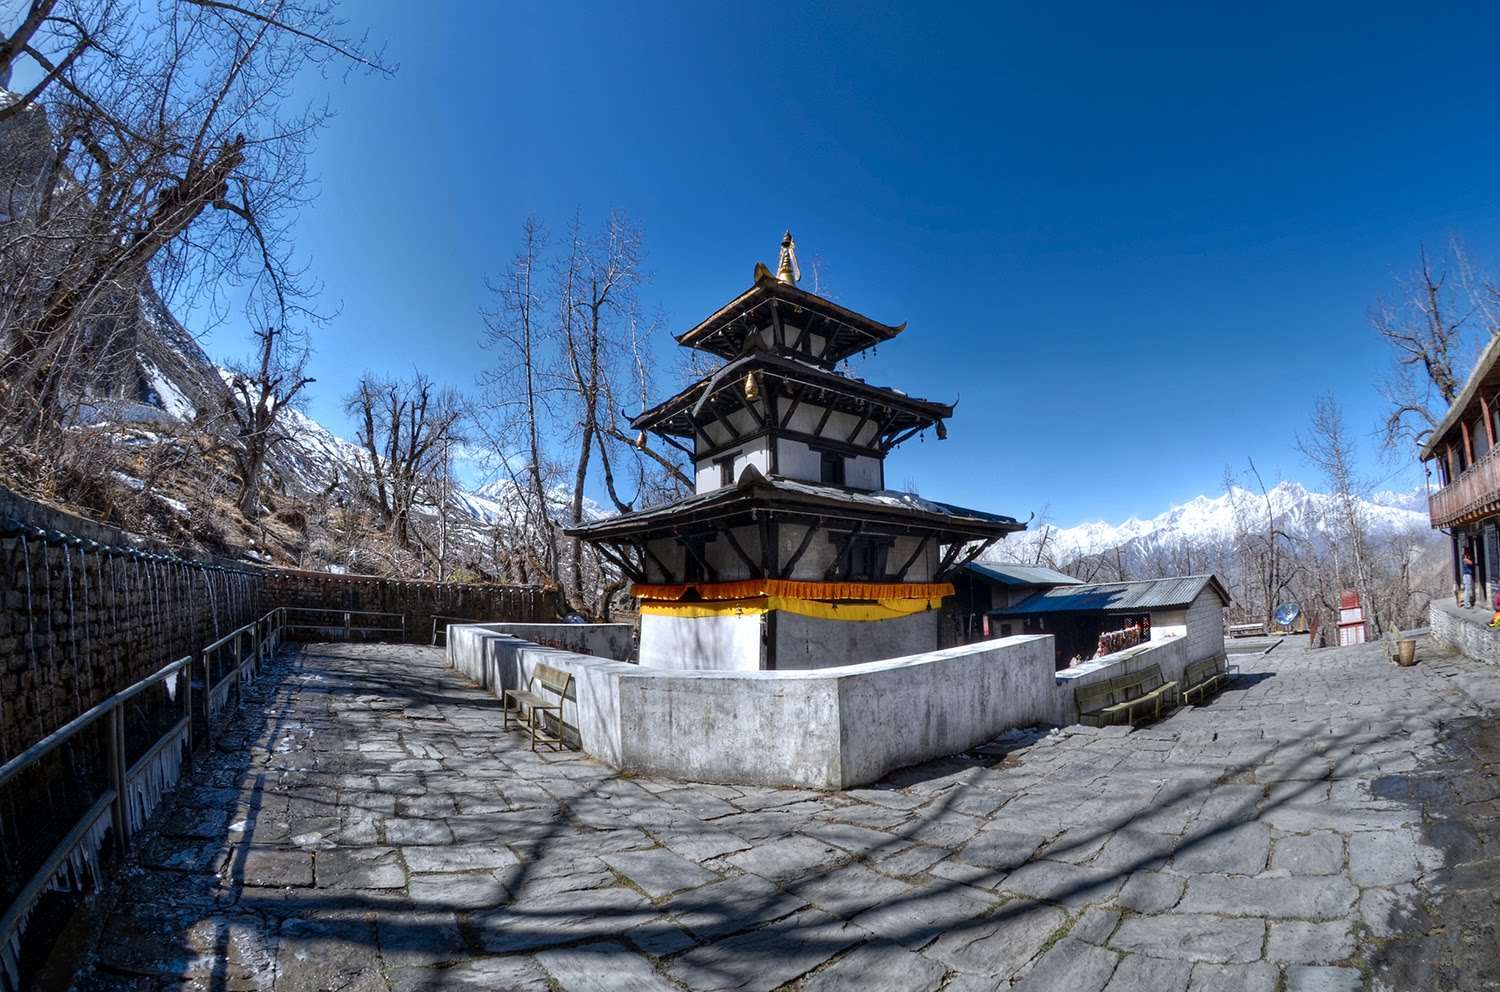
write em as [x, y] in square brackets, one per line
[1468, 568]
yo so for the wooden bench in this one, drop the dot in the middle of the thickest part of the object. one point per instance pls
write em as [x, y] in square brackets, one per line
[1141, 695]
[1125, 699]
[1203, 679]
[530, 707]
[1092, 700]
[1257, 629]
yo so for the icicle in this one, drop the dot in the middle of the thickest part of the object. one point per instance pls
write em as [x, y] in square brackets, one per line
[156, 780]
[31, 626]
[73, 678]
[42, 721]
[88, 643]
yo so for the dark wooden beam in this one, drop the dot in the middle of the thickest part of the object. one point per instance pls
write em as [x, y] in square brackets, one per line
[645, 552]
[778, 331]
[755, 414]
[846, 546]
[979, 549]
[796, 395]
[755, 570]
[948, 558]
[734, 432]
[767, 544]
[669, 439]
[823, 422]
[921, 548]
[812, 528]
[802, 335]
[691, 547]
[905, 435]
[616, 557]
[861, 425]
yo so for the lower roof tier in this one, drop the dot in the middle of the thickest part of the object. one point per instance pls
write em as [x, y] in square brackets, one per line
[756, 494]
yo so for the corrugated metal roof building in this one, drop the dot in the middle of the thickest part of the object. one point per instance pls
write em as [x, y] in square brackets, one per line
[980, 587]
[1076, 615]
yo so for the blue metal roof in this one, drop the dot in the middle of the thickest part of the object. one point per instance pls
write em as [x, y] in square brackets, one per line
[1118, 597]
[1009, 574]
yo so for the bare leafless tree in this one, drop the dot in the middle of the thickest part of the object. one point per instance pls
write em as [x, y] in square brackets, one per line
[521, 388]
[158, 144]
[260, 388]
[1444, 314]
[1330, 448]
[406, 428]
[573, 350]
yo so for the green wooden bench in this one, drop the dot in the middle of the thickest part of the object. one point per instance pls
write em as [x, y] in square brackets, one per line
[530, 707]
[1140, 696]
[1125, 699]
[1092, 701]
[1203, 679]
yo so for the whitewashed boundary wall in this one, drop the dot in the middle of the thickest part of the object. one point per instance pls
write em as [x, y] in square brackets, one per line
[832, 728]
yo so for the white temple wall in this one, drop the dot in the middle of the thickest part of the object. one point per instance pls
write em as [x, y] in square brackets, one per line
[790, 333]
[807, 415]
[806, 643]
[728, 643]
[921, 570]
[815, 560]
[756, 452]
[798, 461]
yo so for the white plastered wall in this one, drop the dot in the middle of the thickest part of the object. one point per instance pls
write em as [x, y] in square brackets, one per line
[719, 644]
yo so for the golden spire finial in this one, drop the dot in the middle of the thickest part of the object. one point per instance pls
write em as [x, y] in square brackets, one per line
[788, 270]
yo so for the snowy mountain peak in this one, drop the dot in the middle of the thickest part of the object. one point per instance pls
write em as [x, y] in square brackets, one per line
[1205, 520]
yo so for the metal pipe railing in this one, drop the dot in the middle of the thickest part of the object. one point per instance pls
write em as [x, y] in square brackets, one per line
[235, 658]
[441, 624]
[344, 621]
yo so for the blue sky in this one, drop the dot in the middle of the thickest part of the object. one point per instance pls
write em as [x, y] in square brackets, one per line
[1135, 243]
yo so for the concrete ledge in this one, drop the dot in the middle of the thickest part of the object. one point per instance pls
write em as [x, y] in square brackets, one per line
[602, 640]
[831, 728]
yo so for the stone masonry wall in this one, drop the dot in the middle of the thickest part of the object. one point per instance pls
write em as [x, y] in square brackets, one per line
[89, 610]
[419, 602]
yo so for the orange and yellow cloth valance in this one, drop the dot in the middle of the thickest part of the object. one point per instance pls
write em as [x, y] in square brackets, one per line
[793, 588]
[826, 600]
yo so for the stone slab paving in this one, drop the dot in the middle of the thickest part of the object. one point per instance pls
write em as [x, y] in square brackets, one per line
[1329, 822]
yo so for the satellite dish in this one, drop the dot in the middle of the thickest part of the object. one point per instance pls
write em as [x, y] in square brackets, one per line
[1287, 613]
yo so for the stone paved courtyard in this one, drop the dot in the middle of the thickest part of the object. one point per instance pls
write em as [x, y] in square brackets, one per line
[1328, 824]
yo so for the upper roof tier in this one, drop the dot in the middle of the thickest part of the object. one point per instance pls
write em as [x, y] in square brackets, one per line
[774, 304]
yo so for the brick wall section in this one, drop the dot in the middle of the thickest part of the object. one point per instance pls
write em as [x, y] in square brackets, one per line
[1205, 626]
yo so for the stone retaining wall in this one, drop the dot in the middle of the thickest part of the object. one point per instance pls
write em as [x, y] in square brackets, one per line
[419, 602]
[85, 618]
[1466, 631]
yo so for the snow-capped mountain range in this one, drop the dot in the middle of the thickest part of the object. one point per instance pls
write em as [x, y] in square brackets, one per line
[1205, 521]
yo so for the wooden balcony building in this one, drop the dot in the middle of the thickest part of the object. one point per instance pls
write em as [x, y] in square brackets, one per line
[1463, 454]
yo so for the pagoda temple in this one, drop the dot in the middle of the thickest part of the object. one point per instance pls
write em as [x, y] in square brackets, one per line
[791, 553]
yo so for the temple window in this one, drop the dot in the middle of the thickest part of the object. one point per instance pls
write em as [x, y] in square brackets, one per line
[832, 469]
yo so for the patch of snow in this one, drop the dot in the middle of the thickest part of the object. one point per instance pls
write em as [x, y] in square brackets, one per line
[129, 481]
[166, 394]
